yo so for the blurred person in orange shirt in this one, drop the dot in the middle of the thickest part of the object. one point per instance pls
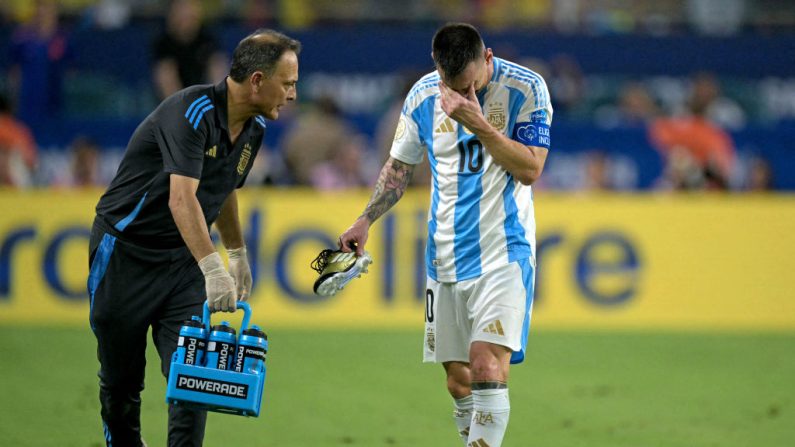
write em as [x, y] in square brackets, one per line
[699, 154]
[17, 149]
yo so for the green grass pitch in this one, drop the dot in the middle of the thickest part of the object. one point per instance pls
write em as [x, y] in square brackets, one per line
[369, 388]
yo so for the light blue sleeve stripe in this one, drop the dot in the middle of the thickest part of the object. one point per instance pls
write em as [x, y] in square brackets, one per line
[98, 268]
[423, 116]
[122, 224]
[193, 104]
[201, 114]
[198, 109]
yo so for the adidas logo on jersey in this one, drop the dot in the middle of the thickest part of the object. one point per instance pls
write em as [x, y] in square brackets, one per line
[495, 328]
[446, 126]
[212, 152]
[479, 443]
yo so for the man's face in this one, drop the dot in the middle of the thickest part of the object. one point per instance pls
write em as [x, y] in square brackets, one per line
[476, 73]
[274, 92]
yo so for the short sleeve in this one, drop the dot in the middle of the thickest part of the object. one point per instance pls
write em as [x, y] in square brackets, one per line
[181, 139]
[407, 146]
[535, 117]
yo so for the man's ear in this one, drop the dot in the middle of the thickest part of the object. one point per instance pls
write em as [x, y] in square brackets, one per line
[256, 79]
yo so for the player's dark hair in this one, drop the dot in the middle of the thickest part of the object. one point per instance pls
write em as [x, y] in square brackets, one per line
[260, 50]
[455, 45]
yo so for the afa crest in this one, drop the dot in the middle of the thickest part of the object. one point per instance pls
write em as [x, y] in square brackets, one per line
[496, 118]
[244, 159]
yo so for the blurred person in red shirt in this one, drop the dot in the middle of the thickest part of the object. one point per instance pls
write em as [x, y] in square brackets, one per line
[699, 154]
[17, 149]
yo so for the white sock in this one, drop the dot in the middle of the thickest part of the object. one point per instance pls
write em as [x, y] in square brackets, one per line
[490, 418]
[463, 416]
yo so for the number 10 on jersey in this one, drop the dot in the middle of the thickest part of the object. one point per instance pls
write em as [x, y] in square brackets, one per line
[470, 156]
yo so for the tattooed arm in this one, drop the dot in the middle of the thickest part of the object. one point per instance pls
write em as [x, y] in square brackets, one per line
[391, 184]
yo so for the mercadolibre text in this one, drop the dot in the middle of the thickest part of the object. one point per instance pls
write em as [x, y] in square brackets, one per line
[401, 243]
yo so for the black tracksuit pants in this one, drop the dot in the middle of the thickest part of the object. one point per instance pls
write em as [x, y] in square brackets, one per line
[132, 288]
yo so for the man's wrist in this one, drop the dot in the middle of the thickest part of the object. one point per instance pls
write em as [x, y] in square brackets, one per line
[211, 263]
[236, 253]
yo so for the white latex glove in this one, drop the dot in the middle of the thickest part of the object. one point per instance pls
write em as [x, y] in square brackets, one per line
[218, 283]
[240, 271]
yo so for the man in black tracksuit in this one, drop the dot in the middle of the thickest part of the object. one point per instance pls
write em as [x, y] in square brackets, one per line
[152, 262]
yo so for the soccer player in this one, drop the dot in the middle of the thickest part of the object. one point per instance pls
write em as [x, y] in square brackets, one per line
[484, 123]
[152, 262]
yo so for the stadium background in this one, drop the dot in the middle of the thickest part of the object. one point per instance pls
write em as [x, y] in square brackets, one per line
[662, 317]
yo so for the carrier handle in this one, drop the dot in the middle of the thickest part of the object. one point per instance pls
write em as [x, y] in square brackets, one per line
[240, 305]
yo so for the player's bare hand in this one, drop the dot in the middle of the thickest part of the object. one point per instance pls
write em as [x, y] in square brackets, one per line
[240, 271]
[219, 285]
[355, 237]
[464, 109]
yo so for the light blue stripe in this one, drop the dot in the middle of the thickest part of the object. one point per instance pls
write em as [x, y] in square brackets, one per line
[423, 116]
[261, 121]
[516, 242]
[535, 81]
[540, 98]
[424, 84]
[497, 67]
[197, 109]
[528, 278]
[515, 234]
[122, 224]
[201, 114]
[98, 268]
[516, 99]
[193, 104]
[525, 74]
[467, 221]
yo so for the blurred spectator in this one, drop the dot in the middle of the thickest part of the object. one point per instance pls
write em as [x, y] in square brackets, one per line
[343, 170]
[567, 83]
[635, 107]
[40, 53]
[706, 94]
[17, 149]
[698, 153]
[597, 175]
[186, 53]
[85, 163]
[716, 17]
[760, 175]
[313, 138]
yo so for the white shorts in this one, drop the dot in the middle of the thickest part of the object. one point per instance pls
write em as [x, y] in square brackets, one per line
[494, 307]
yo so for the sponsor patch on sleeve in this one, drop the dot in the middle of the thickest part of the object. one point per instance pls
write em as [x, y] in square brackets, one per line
[532, 134]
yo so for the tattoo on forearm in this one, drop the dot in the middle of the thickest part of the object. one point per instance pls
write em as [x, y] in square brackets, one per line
[389, 188]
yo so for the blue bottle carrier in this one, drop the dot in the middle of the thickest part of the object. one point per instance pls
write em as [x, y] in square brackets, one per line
[223, 391]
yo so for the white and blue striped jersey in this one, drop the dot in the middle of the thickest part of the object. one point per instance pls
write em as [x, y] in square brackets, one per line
[480, 217]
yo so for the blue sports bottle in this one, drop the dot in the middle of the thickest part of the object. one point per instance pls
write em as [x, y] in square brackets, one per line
[252, 348]
[192, 342]
[221, 346]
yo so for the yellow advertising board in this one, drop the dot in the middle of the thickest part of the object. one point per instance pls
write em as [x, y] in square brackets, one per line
[604, 261]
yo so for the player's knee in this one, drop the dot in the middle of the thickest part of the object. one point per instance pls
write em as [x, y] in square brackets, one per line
[458, 379]
[457, 387]
[487, 368]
